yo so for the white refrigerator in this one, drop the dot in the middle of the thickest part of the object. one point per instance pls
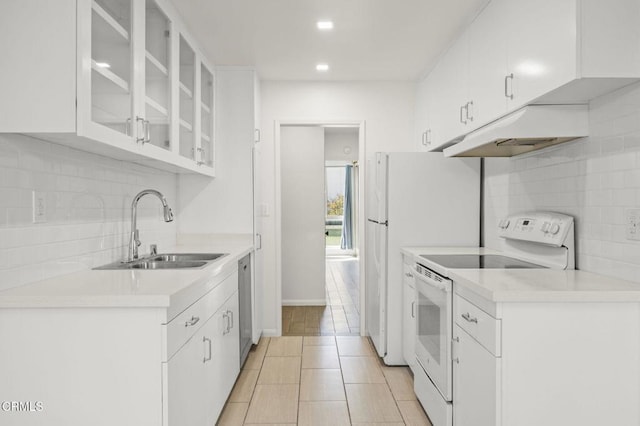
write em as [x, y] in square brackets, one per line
[414, 199]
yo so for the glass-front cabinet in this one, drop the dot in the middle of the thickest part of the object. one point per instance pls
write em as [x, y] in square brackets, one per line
[146, 88]
[121, 78]
[112, 82]
[206, 113]
[157, 96]
[187, 100]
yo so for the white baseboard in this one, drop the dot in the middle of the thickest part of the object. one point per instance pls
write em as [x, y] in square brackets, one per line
[306, 302]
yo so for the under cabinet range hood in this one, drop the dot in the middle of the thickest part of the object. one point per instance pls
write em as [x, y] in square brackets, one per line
[528, 129]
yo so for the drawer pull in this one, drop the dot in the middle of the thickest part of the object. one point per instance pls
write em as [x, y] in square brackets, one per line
[192, 321]
[469, 318]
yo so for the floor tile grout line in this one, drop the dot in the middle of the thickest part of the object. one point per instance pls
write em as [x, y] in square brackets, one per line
[257, 378]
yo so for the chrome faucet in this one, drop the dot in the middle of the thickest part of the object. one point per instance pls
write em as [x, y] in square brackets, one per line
[134, 242]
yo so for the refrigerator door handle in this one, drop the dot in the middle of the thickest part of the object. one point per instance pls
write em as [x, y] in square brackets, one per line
[373, 221]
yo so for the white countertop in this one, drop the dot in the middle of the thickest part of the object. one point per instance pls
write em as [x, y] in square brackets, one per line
[174, 289]
[529, 285]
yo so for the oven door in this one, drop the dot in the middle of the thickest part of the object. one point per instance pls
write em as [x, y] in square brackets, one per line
[434, 330]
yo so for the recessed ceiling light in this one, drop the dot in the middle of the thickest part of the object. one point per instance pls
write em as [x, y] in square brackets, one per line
[325, 25]
[322, 67]
[103, 65]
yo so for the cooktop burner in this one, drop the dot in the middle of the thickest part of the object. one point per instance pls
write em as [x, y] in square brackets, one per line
[479, 261]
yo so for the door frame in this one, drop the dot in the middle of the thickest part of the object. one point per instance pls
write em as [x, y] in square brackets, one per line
[360, 125]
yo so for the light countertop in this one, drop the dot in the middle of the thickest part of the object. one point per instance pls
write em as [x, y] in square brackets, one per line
[172, 289]
[530, 285]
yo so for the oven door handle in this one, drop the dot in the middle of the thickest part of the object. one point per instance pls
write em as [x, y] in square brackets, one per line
[444, 286]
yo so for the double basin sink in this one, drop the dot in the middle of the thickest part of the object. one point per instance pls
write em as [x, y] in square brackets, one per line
[168, 261]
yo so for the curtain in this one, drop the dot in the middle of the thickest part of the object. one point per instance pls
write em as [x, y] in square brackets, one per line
[346, 240]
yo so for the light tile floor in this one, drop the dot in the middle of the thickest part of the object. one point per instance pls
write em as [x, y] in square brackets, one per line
[341, 314]
[321, 380]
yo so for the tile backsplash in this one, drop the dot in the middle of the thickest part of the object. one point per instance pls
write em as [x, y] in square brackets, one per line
[87, 209]
[595, 179]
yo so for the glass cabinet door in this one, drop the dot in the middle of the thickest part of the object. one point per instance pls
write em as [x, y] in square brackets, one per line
[157, 100]
[111, 64]
[206, 111]
[187, 100]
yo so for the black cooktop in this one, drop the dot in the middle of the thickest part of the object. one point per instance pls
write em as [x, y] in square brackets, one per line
[479, 261]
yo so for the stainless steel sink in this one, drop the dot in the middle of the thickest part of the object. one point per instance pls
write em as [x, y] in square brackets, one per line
[168, 261]
[176, 257]
[165, 265]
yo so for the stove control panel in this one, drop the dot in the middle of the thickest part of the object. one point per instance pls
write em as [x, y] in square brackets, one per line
[539, 227]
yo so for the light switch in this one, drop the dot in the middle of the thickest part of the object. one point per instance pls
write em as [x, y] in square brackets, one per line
[633, 224]
[39, 207]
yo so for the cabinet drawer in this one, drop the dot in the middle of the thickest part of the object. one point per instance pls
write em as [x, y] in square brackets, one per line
[479, 324]
[183, 326]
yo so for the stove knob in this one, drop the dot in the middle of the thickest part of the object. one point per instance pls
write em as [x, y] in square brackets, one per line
[555, 228]
[545, 227]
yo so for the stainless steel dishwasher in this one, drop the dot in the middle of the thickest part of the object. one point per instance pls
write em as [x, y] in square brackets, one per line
[244, 292]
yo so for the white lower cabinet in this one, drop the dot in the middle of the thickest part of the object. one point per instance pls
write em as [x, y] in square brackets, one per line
[552, 363]
[150, 365]
[185, 384]
[475, 377]
[201, 374]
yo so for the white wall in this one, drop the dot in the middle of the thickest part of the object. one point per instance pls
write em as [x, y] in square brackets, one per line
[303, 215]
[88, 201]
[224, 205]
[337, 140]
[594, 179]
[386, 108]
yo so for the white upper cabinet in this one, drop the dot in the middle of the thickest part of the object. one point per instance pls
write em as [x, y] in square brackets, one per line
[207, 130]
[115, 77]
[541, 47]
[520, 52]
[157, 76]
[487, 38]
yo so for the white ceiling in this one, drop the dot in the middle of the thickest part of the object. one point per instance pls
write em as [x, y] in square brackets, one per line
[372, 39]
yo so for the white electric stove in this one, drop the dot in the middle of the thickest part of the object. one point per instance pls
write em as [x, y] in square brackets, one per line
[532, 240]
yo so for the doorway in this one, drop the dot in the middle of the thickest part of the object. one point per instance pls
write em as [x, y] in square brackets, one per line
[301, 150]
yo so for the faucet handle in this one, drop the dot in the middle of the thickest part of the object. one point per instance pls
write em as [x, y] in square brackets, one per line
[153, 249]
[136, 238]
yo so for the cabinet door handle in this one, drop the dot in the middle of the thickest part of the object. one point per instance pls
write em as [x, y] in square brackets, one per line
[424, 138]
[428, 137]
[225, 315]
[454, 350]
[192, 321]
[140, 120]
[147, 131]
[259, 241]
[200, 152]
[462, 120]
[231, 320]
[467, 316]
[207, 349]
[506, 86]
[413, 310]
[257, 135]
[469, 107]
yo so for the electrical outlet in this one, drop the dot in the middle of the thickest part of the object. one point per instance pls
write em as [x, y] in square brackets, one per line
[39, 206]
[633, 224]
